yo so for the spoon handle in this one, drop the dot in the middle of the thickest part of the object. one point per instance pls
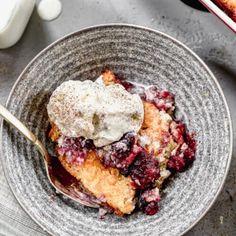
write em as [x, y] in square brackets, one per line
[17, 124]
[23, 129]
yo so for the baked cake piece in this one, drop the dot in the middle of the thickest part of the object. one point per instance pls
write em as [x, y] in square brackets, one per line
[106, 184]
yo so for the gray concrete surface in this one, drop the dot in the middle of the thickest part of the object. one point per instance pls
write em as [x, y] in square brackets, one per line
[201, 31]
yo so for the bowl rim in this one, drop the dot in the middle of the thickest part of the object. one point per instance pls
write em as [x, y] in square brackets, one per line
[229, 159]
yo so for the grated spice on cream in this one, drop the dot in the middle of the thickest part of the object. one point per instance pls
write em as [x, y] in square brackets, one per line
[95, 111]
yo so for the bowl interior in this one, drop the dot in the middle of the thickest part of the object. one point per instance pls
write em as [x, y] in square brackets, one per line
[139, 55]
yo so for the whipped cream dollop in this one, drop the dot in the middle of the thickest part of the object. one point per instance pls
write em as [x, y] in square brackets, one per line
[95, 111]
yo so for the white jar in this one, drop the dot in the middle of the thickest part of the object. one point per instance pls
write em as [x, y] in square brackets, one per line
[14, 16]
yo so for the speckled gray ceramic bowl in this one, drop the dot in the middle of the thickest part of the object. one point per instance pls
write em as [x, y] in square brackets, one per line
[137, 54]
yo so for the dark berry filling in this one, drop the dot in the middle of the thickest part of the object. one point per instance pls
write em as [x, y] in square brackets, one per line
[176, 163]
[132, 160]
[75, 149]
[121, 154]
[142, 167]
[190, 151]
[148, 201]
[145, 170]
[151, 208]
[177, 129]
[185, 153]
[127, 85]
[163, 100]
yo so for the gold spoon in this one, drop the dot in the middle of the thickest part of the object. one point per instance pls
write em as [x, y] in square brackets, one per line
[59, 178]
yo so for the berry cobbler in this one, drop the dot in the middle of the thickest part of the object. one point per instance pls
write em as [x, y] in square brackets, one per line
[120, 140]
